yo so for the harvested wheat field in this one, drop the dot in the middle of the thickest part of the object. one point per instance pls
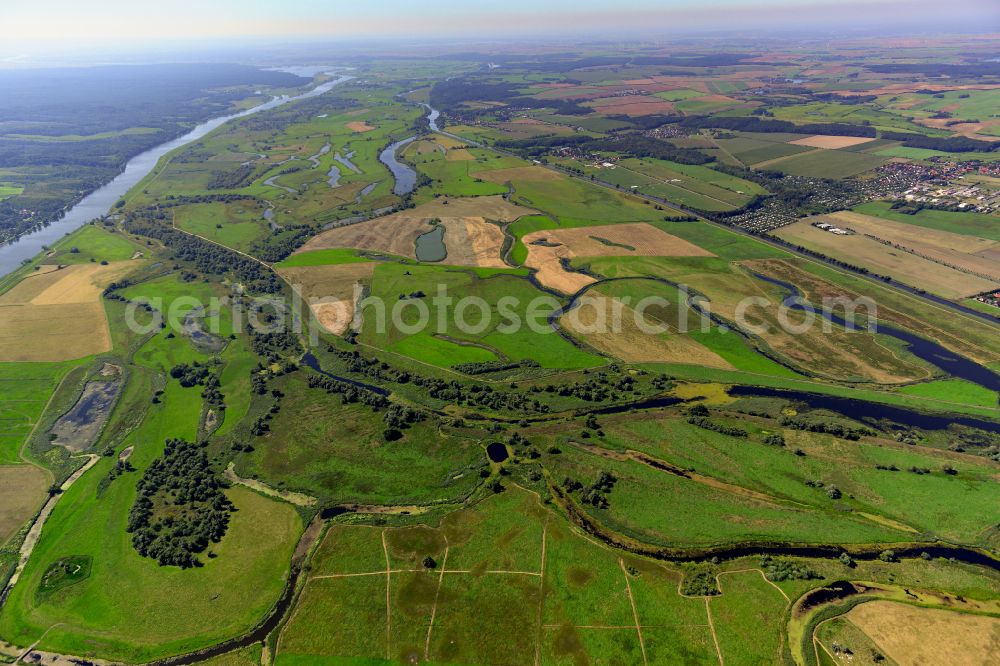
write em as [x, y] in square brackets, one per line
[547, 249]
[397, 233]
[914, 255]
[330, 290]
[530, 174]
[58, 316]
[22, 492]
[621, 336]
[359, 126]
[912, 635]
[472, 241]
[831, 142]
[630, 239]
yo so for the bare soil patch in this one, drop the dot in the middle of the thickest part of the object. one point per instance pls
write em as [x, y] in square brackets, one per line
[832, 142]
[912, 635]
[22, 492]
[359, 126]
[330, 291]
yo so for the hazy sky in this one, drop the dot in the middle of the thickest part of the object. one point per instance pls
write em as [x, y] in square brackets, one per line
[59, 23]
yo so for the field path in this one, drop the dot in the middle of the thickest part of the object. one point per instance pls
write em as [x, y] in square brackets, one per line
[635, 613]
[388, 598]
[541, 593]
[36, 528]
[437, 595]
[711, 628]
[173, 225]
[723, 150]
[762, 575]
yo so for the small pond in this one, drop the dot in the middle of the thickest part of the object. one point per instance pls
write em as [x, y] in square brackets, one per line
[430, 246]
[497, 452]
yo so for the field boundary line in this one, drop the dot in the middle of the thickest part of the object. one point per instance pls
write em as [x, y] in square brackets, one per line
[380, 572]
[776, 160]
[494, 571]
[680, 187]
[635, 613]
[437, 595]
[388, 598]
[541, 593]
[726, 151]
[711, 629]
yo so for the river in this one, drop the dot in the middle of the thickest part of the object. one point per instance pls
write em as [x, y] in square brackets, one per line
[100, 201]
[924, 349]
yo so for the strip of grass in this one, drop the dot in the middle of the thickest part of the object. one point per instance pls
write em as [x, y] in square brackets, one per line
[954, 390]
[971, 224]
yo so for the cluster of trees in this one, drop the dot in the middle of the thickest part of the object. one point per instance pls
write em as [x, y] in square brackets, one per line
[829, 428]
[626, 144]
[753, 124]
[776, 569]
[450, 391]
[950, 144]
[698, 416]
[207, 257]
[832, 491]
[121, 467]
[269, 341]
[700, 584]
[349, 393]
[708, 424]
[181, 506]
[279, 246]
[602, 387]
[232, 179]
[596, 494]
[192, 375]
[397, 417]
[486, 367]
